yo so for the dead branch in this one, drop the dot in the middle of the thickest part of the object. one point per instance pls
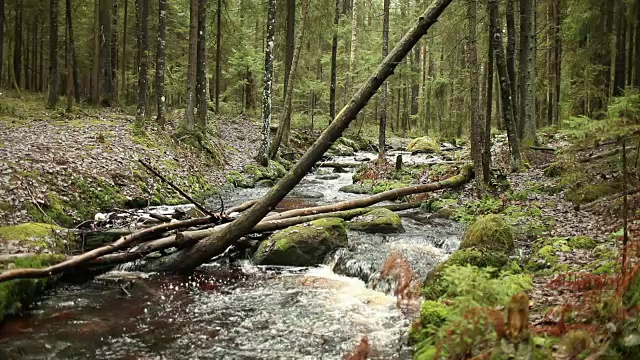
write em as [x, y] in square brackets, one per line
[182, 193]
[543, 148]
[242, 207]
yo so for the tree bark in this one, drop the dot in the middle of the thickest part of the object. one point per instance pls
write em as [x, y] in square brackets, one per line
[354, 43]
[72, 49]
[160, 60]
[3, 22]
[620, 66]
[557, 48]
[142, 7]
[201, 66]
[486, 149]
[95, 70]
[114, 50]
[189, 116]
[17, 50]
[385, 86]
[123, 71]
[285, 120]
[105, 52]
[192, 257]
[334, 63]
[53, 54]
[527, 85]
[505, 86]
[267, 92]
[218, 53]
[477, 128]
[290, 43]
[637, 54]
[511, 63]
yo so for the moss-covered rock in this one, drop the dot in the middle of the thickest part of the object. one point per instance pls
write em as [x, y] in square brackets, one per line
[381, 221]
[591, 192]
[238, 180]
[555, 169]
[303, 245]
[545, 255]
[423, 144]
[349, 143]
[16, 294]
[581, 242]
[489, 232]
[274, 171]
[359, 188]
[341, 150]
[27, 231]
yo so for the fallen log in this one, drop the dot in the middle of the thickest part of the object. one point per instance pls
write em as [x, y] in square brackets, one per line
[543, 148]
[122, 243]
[604, 154]
[188, 238]
[591, 205]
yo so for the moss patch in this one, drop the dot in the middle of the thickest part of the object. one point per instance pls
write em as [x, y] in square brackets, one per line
[423, 144]
[27, 231]
[591, 192]
[489, 232]
[433, 314]
[383, 221]
[16, 294]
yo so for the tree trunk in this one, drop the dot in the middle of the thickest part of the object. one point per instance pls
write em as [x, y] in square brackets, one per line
[123, 71]
[511, 63]
[415, 85]
[72, 50]
[201, 66]
[551, 69]
[637, 55]
[192, 257]
[53, 54]
[160, 59]
[334, 63]
[114, 50]
[527, 86]
[486, 149]
[286, 117]
[557, 48]
[189, 116]
[3, 22]
[477, 127]
[385, 86]
[17, 50]
[267, 93]
[95, 70]
[34, 56]
[505, 86]
[620, 66]
[290, 42]
[105, 52]
[218, 54]
[354, 43]
[142, 7]
[630, 48]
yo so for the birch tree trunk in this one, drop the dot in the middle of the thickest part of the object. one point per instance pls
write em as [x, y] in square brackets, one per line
[160, 61]
[267, 94]
[190, 258]
[334, 63]
[385, 87]
[505, 85]
[52, 100]
[527, 83]
[477, 128]
[286, 117]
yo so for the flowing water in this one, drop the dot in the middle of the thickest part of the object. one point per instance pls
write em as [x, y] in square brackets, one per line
[238, 310]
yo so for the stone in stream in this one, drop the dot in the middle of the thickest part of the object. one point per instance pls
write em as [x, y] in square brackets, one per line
[328, 177]
[307, 194]
[303, 245]
[423, 145]
[341, 150]
[358, 188]
[378, 221]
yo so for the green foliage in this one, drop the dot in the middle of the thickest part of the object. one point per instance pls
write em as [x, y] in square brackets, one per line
[626, 107]
[489, 232]
[473, 209]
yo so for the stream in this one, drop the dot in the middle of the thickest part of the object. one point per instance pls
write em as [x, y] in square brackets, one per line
[240, 311]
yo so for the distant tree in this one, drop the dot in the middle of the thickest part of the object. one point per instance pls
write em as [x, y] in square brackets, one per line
[385, 86]
[105, 52]
[142, 11]
[189, 116]
[160, 62]
[334, 63]
[53, 54]
[72, 50]
[201, 66]
[477, 128]
[218, 53]
[527, 83]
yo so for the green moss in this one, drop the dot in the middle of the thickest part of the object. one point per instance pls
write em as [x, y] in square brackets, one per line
[423, 145]
[303, 245]
[16, 294]
[591, 192]
[489, 232]
[274, 171]
[349, 143]
[478, 258]
[544, 257]
[581, 242]
[27, 231]
[383, 221]
[433, 315]
[555, 169]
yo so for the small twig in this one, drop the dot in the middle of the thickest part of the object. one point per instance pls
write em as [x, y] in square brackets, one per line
[124, 289]
[200, 207]
[33, 199]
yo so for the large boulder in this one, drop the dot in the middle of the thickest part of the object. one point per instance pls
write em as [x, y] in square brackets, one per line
[341, 150]
[274, 171]
[424, 145]
[303, 245]
[381, 221]
[489, 232]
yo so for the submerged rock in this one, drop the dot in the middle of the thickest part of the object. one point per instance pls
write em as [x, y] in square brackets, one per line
[381, 221]
[424, 145]
[303, 245]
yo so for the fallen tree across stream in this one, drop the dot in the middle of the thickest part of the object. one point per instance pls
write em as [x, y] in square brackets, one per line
[143, 243]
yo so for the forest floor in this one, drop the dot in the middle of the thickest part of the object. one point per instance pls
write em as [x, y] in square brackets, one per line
[71, 165]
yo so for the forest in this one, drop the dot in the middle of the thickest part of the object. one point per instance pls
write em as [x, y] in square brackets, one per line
[319, 179]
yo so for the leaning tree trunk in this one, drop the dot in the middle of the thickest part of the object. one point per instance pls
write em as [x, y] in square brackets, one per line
[334, 63]
[160, 59]
[476, 122]
[286, 117]
[53, 54]
[201, 74]
[142, 7]
[505, 86]
[192, 257]
[385, 86]
[267, 94]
